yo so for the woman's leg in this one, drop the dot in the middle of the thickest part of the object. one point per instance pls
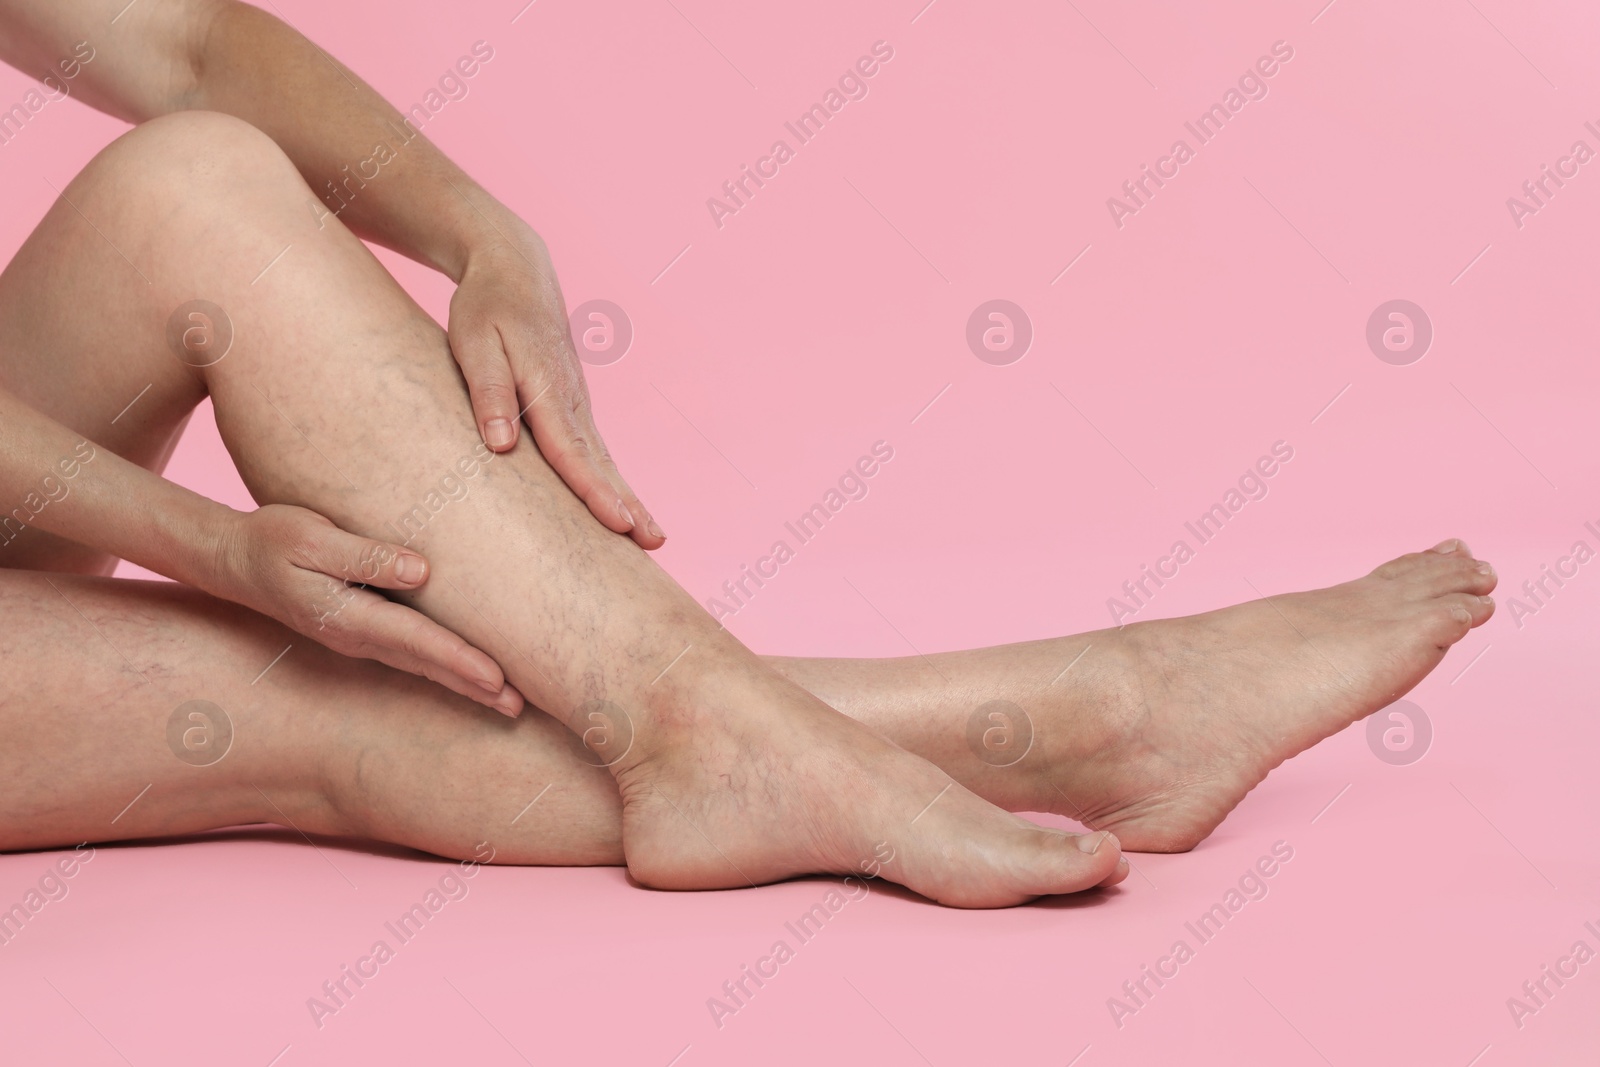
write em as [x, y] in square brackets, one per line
[339, 394]
[1122, 717]
[142, 709]
[107, 742]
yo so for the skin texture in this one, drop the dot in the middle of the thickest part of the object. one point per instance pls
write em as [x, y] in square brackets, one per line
[331, 746]
[321, 743]
[736, 773]
[508, 327]
[347, 415]
[1159, 729]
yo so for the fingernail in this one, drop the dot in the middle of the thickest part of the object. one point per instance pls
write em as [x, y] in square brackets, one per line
[410, 569]
[1091, 843]
[511, 707]
[490, 684]
[655, 530]
[627, 516]
[498, 433]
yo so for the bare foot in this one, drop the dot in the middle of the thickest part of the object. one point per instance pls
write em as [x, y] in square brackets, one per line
[744, 778]
[1157, 730]
[1192, 713]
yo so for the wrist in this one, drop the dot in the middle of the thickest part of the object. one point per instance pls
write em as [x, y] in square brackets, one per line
[500, 237]
[198, 542]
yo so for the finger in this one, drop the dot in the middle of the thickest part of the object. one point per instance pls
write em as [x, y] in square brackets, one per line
[364, 561]
[573, 448]
[409, 640]
[646, 532]
[507, 702]
[356, 640]
[482, 358]
[568, 437]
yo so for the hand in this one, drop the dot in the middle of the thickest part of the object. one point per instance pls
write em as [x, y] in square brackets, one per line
[509, 334]
[302, 570]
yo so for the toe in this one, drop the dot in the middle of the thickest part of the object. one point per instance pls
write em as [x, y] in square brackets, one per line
[1074, 862]
[1118, 874]
[1458, 574]
[1037, 863]
[1480, 608]
[1453, 549]
[1451, 616]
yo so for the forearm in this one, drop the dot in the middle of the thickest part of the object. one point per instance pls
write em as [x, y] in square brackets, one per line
[58, 481]
[381, 177]
[385, 180]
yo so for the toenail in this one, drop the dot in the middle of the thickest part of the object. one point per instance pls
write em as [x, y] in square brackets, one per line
[1461, 614]
[1446, 547]
[1091, 843]
[1485, 568]
[1487, 601]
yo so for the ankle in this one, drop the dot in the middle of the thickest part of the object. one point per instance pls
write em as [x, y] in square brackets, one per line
[677, 717]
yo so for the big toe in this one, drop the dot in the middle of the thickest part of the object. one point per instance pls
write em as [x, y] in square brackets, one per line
[1448, 567]
[1024, 862]
[1045, 862]
[1452, 546]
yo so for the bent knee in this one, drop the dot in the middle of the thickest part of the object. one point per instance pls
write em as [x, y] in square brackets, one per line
[189, 161]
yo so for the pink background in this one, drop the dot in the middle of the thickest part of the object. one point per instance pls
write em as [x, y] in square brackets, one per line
[825, 316]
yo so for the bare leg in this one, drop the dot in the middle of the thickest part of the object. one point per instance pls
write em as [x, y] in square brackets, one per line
[1155, 732]
[340, 395]
[96, 668]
